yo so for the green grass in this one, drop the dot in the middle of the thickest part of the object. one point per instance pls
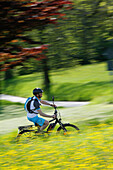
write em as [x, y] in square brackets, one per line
[82, 83]
[5, 103]
[91, 149]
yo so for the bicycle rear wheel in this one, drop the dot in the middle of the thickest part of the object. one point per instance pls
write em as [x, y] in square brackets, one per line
[68, 129]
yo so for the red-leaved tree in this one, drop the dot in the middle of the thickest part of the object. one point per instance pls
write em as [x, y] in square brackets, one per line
[18, 16]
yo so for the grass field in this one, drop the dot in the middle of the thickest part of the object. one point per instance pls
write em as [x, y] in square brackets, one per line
[82, 83]
[91, 149]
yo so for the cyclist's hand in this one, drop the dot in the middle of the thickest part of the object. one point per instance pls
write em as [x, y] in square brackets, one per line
[54, 116]
[53, 105]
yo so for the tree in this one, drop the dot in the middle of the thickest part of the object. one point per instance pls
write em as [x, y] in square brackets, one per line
[93, 28]
[19, 16]
[88, 29]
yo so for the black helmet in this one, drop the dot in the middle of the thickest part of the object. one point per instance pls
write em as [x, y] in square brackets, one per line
[37, 91]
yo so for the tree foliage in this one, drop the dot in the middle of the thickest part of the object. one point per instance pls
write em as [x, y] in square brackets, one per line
[18, 16]
[85, 35]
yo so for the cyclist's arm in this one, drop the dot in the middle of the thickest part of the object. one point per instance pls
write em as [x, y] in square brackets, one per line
[45, 115]
[46, 103]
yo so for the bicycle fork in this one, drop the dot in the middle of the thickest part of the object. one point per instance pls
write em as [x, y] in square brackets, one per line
[62, 126]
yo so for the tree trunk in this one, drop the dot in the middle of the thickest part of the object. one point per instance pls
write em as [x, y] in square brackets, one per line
[45, 63]
[8, 74]
[46, 74]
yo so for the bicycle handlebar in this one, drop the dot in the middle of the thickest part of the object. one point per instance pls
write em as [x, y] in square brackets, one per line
[55, 113]
[54, 107]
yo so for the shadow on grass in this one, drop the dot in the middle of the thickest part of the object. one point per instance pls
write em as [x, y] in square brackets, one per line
[81, 92]
[13, 86]
[94, 122]
[64, 92]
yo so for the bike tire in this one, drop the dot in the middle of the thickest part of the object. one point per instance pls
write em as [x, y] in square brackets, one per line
[68, 128]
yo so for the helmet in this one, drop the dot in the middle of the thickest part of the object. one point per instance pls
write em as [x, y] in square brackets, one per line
[37, 91]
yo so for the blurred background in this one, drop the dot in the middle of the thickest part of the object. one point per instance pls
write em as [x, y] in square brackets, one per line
[65, 48]
[79, 35]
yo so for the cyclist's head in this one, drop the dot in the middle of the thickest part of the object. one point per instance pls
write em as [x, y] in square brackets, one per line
[37, 91]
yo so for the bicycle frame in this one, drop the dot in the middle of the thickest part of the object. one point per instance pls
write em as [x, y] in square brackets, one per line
[57, 121]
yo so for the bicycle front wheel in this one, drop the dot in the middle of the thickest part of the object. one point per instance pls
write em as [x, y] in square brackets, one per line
[68, 129]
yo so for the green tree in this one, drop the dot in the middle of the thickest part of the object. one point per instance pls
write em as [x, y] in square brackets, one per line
[17, 17]
[85, 33]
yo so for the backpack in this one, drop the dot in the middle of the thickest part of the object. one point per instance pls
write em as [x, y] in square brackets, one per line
[27, 105]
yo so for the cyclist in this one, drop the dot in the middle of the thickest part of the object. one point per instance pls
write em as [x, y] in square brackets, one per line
[34, 107]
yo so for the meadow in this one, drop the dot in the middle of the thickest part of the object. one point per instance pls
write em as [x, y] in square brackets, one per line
[91, 149]
[82, 83]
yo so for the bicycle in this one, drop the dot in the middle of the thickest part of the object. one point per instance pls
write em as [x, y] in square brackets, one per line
[34, 130]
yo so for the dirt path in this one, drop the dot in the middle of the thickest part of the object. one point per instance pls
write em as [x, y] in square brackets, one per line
[58, 103]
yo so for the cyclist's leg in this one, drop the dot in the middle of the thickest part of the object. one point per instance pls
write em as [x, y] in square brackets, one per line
[40, 121]
[46, 123]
